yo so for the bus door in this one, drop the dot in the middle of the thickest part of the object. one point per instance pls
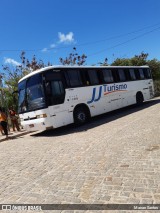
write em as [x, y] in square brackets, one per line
[55, 97]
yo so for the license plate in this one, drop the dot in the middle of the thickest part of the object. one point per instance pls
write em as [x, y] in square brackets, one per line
[31, 125]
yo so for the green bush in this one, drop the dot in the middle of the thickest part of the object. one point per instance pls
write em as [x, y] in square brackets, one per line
[157, 87]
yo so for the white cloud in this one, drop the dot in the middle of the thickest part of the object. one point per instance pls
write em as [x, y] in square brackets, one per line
[52, 45]
[11, 61]
[62, 38]
[44, 50]
[68, 38]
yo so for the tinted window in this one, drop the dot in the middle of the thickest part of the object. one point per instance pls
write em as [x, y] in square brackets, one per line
[93, 77]
[147, 73]
[53, 75]
[121, 74]
[132, 74]
[55, 92]
[57, 88]
[35, 97]
[141, 74]
[108, 77]
[22, 104]
[73, 78]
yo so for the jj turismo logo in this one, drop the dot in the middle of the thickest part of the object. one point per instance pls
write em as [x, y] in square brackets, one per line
[97, 91]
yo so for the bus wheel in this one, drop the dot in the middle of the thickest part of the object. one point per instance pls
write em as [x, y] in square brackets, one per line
[81, 115]
[139, 98]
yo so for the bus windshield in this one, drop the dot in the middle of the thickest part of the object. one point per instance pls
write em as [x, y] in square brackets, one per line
[31, 94]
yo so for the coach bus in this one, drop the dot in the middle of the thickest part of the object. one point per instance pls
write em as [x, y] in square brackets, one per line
[56, 96]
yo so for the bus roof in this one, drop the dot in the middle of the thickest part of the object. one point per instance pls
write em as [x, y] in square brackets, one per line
[71, 67]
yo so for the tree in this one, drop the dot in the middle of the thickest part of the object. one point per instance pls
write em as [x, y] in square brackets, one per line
[74, 59]
[140, 60]
[154, 64]
[104, 63]
[12, 74]
[137, 60]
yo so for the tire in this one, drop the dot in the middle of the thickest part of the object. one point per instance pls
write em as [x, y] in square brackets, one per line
[139, 98]
[81, 115]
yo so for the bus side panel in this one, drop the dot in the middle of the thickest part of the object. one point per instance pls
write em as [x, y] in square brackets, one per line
[60, 115]
[83, 95]
[97, 101]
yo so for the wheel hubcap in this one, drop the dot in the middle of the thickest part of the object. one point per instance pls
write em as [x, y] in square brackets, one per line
[81, 116]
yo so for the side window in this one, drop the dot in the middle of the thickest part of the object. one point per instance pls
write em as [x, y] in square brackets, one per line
[137, 74]
[73, 78]
[132, 74]
[122, 76]
[141, 74]
[55, 92]
[93, 77]
[147, 73]
[107, 75]
[57, 88]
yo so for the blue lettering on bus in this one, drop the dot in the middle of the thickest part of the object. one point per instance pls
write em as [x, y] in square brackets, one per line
[93, 96]
[107, 90]
[100, 93]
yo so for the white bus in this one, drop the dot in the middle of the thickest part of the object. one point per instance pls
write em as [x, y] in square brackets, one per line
[60, 95]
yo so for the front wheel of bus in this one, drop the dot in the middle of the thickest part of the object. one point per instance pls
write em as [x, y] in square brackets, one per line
[80, 116]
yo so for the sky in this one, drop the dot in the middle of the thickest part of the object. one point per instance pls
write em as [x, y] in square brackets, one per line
[49, 29]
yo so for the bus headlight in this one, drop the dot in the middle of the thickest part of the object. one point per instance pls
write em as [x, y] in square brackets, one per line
[42, 116]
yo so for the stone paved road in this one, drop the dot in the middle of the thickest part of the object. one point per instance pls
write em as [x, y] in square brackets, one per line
[113, 159]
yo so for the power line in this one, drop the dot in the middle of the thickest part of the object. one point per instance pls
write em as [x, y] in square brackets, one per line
[90, 43]
[119, 44]
[118, 36]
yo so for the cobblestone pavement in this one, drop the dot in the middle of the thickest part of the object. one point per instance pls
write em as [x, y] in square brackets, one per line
[13, 135]
[113, 159]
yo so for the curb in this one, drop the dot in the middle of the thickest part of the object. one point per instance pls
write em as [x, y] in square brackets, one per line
[15, 136]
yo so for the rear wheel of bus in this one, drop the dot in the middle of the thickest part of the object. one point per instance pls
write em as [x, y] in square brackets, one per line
[139, 98]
